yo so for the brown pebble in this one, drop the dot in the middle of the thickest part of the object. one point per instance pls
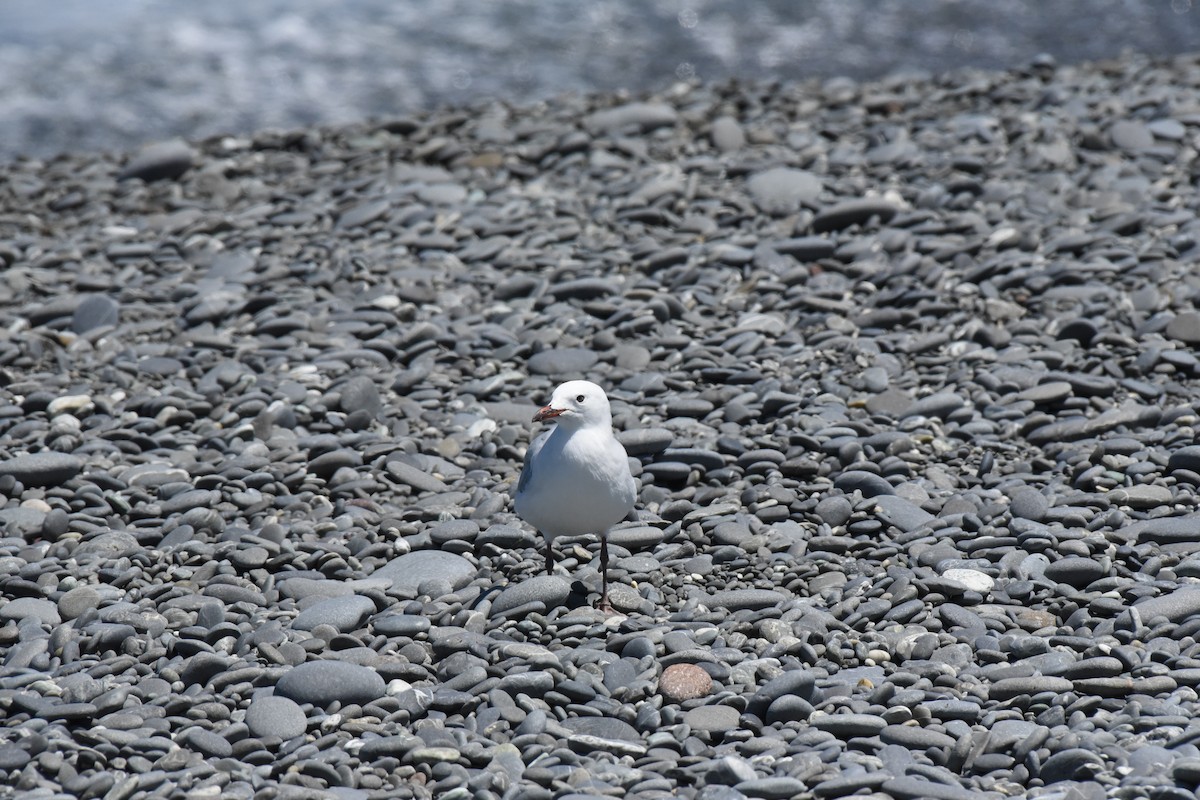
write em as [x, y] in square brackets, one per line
[681, 682]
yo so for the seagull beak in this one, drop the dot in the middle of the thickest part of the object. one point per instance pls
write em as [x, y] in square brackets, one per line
[546, 412]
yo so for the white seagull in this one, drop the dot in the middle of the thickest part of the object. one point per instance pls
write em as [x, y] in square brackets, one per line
[576, 477]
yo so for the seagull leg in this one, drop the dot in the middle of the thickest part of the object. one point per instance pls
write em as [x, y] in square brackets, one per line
[549, 556]
[603, 604]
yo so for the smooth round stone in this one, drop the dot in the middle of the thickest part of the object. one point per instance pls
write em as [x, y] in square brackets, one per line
[44, 611]
[160, 366]
[738, 599]
[640, 116]
[42, 469]
[418, 479]
[638, 538]
[680, 682]
[914, 737]
[972, 579]
[910, 787]
[326, 464]
[201, 668]
[848, 726]
[783, 190]
[778, 787]
[583, 289]
[1185, 458]
[868, 483]
[535, 683]
[727, 134]
[852, 212]
[411, 569]
[1075, 571]
[361, 394]
[941, 405]
[507, 537]
[1028, 503]
[548, 589]
[1046, 393]
[1175, 606]
[602, 728]
[712, 719]
[732, 533]
[901, 513]
[56, 523]
[401, 625]
[564, 362]
[364, 213]
[834, 510]
[442, 194]
[797, 682]
[209, 743]
[1145, 496]
[95, 311]
[954, 710]
[160, 161]
[22, 522]
[788, 708]
[434, 755]
[322, 682]
[1071, 764]
[875, 379]
[77, 601]
[847, 785]
[274, 715]
[695, 407]
[1008, 688]
[731, 769]
[13, 757]
[668, 473]
[645, 441]
[344, 614]
[1131, 134]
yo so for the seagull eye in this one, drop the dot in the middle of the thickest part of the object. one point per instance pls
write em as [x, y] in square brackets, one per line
[579, 398]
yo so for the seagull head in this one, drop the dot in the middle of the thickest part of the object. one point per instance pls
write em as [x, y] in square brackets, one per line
[578, 404]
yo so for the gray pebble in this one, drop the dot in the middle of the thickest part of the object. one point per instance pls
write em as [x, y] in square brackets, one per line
[783, 190]
[568, 362]
[323, 682]
[550, 590]
[712, 719]
[344, 614]
[275, 715]
[160, 161]
[42, 469]
[738, 599]
[410, 570]
[95, 311]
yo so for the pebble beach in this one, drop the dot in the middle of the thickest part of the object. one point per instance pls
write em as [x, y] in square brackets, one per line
[906, 369]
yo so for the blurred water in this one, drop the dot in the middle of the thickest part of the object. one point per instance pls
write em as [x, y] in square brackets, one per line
[80, 74]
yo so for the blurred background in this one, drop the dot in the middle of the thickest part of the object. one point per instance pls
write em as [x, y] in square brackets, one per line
[112, 74]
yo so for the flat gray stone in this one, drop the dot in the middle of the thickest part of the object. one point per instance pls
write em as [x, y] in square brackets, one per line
[783, 190]
[738, 599]
[160, 161]
[412, 569]
[712, 719]
[548, 589]
[42, 469]
[344, 613]
[322, 682]
[275, 715]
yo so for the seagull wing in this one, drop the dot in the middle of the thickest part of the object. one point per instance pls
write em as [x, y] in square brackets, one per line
[531, 455]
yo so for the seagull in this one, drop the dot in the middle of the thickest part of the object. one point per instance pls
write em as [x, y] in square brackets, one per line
[576, 477]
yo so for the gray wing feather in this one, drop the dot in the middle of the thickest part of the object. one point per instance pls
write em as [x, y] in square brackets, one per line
[535, 447]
